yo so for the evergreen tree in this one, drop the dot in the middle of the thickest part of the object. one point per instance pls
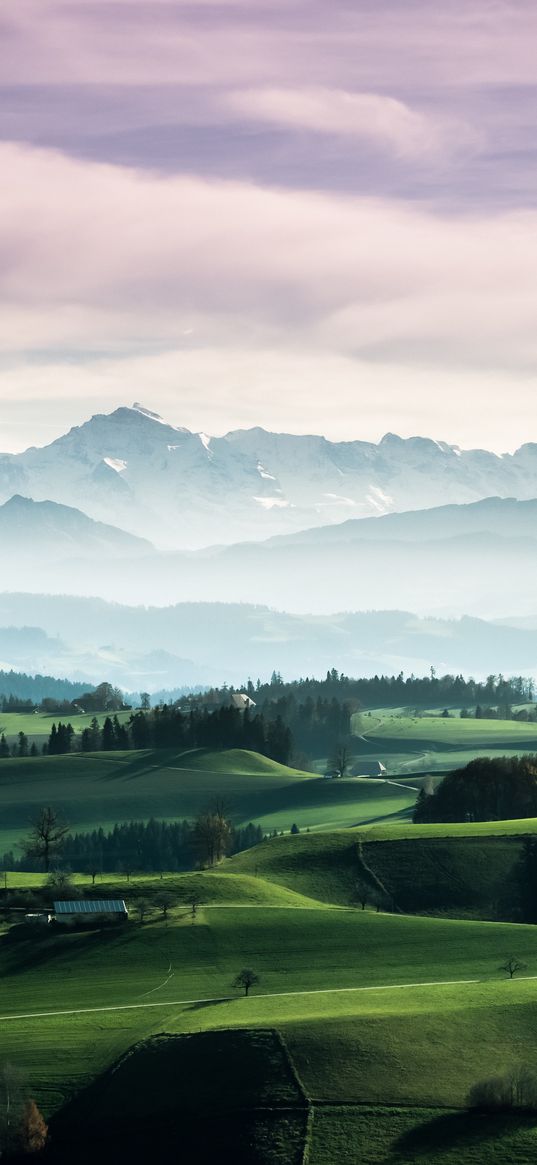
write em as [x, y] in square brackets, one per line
[108, 739]
[22, 746]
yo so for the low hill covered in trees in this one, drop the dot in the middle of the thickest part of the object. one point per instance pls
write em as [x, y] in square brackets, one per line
[487, 789]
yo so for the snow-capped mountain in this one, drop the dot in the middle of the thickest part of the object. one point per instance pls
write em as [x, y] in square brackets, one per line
[187, 490]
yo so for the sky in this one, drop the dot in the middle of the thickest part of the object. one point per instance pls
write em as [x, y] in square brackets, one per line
[311, 216]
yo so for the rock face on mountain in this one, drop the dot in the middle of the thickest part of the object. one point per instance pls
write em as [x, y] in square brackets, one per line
[187, 490]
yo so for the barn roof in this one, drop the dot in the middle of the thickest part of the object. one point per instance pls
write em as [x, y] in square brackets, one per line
[241, 701]
[91, 906]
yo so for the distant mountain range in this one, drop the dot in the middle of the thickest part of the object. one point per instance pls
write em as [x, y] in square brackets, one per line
[477, 559]
[45, 531]
[187, 490]
[198, 643]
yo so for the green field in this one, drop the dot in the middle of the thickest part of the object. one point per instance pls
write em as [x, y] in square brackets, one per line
[37, 725]
[463, 872]
[336, 983]
[366, 1030]
[100, 789]
[417, 743]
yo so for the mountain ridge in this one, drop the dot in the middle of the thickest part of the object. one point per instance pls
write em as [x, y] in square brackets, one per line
[194, 643]
[29, 528]
[187, 490]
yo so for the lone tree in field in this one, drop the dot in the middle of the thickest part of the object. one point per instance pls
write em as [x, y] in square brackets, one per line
[362, 893]
[512, 966]
[142, 908]
[46, 838]
[245, 979]
[165, 901]
[340, 760]
[194, 901]
[60, 883]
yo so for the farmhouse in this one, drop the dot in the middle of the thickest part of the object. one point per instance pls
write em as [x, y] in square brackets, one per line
[241, 701]
[369, 768]
[90, 909]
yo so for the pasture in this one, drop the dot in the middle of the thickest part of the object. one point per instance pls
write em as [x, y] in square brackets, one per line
[407, 743]
[372, 1008]
[100, 789]
[386, 1020]
[37, 725]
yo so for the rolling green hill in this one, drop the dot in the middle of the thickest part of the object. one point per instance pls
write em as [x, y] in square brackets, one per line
[101, 789]
[374, 1010]
[337, 984]
[416, 743]
[460, 872]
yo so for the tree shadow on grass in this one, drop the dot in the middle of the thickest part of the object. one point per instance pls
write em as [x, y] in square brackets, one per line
[24, 951]
[461, 1130]
[138, 766]
[203, 1003]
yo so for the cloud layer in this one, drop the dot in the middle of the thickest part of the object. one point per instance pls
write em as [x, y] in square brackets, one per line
[264, 213]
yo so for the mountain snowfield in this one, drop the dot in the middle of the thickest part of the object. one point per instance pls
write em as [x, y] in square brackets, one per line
[184, 490]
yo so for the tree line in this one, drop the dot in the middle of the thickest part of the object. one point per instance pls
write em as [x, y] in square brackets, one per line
[134, 846]
[166, 727]
[487, 789]
[318, 711]
[379, 691]
[18, 688]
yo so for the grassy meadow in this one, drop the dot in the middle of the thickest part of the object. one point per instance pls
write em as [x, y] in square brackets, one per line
[373, 1008]
[100, 789]
[433, 743]
[37, 725]
[377, 1024]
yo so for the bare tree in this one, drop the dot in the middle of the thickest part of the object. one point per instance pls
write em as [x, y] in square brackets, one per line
[245, 979]
[517, 1089]
[361, 894]
[142, 908]
[512, 966]
[212, 833]
[194, 901]
[60, 883]
[165, 900]
[46, 838]
[340, 760]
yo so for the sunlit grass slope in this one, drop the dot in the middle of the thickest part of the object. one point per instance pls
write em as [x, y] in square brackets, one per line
[322, 865]
[404, 1044]
[406, 743]
[100, 789]
[37, 725]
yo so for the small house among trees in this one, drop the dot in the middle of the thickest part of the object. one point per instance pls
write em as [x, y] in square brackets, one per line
[241, 701]
[369, 768]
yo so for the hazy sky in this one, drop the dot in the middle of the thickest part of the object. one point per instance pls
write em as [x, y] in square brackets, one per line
[306, 215]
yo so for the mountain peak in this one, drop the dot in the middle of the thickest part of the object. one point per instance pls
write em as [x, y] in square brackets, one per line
[138, 408]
